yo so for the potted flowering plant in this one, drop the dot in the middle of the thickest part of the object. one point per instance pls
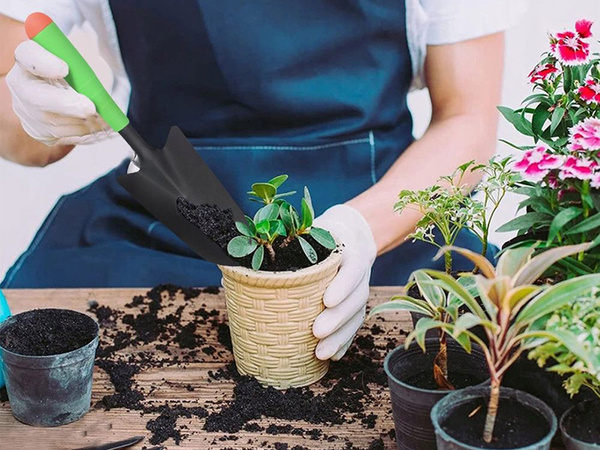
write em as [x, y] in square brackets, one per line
[511, 307]
[561, 171]
[579, 323]
[276, 293]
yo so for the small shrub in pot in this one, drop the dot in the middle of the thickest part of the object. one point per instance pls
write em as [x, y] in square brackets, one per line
[512, 306]
[579, 362]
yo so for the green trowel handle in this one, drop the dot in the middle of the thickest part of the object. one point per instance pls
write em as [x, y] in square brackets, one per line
[81, 77]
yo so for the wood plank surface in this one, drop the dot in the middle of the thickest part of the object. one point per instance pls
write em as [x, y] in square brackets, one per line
[170, 382]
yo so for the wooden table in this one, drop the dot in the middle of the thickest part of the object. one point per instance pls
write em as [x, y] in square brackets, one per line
[100, 426]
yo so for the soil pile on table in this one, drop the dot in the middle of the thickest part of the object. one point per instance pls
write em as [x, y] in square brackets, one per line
[46, 332]
[157, 330]
[219, 226]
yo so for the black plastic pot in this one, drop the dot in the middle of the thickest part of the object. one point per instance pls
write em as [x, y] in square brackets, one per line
[525, 375]
[412, 405]
[445, 407]
[571, 442]
[50, 390]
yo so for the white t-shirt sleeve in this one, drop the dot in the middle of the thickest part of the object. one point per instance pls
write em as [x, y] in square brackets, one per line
[451, 21]
[65, 13]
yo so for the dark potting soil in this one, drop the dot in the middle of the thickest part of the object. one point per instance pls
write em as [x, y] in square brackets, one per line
[583, 423]
[517, 425]
[425, 380]
[45, 332]
[219, 226]
[156, 319]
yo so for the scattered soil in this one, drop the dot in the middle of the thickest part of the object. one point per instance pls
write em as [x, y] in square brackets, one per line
[583, 424]
[219, 226]
[517, 425]
[45, 332]
[155, 331]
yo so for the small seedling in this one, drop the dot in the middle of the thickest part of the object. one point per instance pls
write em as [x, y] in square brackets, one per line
[277, 219]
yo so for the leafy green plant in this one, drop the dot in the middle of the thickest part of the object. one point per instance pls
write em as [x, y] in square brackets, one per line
[579, 321]
[447, 207]
[277, 219]
[561, 170]
[436, 304]
[508, 305]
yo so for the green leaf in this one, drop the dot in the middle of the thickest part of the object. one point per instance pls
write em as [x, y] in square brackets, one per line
[295, 218]
[434, 295]
[278, 180]
[268, 212]
[257, 258]
[248, 228]
[586, 225]
[449, 284]
[286, 217]
[561, 219]
[307, 215]
[525, 222]
[402, 304]
[518, 121]
[308, 199]
[530, 272]
[283, 194]
[568, 79]
[512, 260]
[540, 115]
[557, 296]
[266, 191]
[308, 250]
[518, 147]
[557, 116]
[241, 246]
[263, 227]
[276, 228]
[323, 237]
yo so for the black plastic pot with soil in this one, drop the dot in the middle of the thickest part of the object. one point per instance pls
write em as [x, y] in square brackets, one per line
[580, 426]
[48, 365]
[523, 422]
[414, 390]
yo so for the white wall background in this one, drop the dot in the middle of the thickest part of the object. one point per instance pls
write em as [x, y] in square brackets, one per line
[28, 194]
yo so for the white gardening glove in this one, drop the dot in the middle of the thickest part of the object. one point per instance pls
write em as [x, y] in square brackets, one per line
[50, 110]
[346, 297]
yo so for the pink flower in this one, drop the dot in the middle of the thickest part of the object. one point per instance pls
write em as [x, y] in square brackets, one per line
[585, 135]
[595, 183]
[569, 47]
[541, 72]
[537, 163]
[579, 168]
[590, 91]
[584, 28]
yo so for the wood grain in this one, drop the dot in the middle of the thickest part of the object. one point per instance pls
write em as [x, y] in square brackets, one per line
[99, 426]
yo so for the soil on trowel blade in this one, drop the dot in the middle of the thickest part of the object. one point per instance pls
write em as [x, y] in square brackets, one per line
[219, 226]
[159, 330]
[46, 332]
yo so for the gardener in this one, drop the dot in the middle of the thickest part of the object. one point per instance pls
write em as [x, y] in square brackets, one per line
[314, 89]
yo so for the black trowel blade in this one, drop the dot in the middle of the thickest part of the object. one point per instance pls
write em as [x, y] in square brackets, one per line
[178, 171]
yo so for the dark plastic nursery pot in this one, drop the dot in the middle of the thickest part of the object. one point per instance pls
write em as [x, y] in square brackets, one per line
[412, 405]
[573, 416]
[51, 390]
[449, 404]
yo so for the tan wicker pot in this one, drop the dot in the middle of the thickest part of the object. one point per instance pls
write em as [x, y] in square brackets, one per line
[271, 315]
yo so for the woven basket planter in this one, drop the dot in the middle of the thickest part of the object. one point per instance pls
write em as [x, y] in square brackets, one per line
[271, 315]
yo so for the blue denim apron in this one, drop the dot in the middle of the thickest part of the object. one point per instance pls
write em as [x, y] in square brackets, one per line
[314, 89]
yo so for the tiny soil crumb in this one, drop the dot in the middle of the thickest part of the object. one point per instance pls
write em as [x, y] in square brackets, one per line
[219, 226]
[517, 425]
[425, 380]
[582, 422]
[46, 332]
[3, 395]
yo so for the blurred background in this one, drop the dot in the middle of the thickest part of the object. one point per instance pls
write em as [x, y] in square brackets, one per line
[28, 194]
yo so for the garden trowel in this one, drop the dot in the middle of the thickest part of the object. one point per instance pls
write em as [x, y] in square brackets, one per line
[165, 174]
